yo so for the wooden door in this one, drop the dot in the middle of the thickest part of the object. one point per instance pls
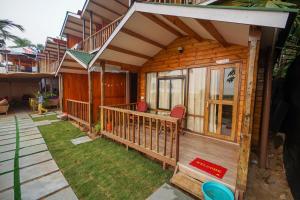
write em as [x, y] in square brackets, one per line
[115, 88]
[221, 101]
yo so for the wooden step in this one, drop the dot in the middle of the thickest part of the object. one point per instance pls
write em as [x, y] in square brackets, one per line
[201, 176]
[188, 184]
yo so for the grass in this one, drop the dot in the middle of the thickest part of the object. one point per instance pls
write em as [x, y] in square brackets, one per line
[48, 117]
[102, 169]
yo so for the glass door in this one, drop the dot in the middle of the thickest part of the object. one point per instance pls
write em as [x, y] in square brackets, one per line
[221, 101]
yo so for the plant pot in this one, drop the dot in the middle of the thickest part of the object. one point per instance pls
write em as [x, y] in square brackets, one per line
[108, 127]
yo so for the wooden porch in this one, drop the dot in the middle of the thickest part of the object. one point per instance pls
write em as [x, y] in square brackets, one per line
[148, 133]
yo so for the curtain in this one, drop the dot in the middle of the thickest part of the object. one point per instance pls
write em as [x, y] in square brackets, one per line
[151, 90]
[177, 92]
[164, 94]
[196, 99]
[214, 95]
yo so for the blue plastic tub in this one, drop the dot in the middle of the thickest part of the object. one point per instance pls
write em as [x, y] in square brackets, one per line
[216, 191]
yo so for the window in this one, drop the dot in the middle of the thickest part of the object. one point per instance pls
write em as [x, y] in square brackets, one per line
[171, 92]
[151, 90]
[196, 99]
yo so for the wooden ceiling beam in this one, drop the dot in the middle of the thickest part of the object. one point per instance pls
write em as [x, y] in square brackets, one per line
[132, 53]
[143, 38]
[211, 29]
[121, 3]
[73, 29]
[181, 25]
[105, 8]
[73, 68]
[124, 66]
[162, 24]
[100, 16]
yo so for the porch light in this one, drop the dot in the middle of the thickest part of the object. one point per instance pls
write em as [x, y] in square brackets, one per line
[180, 49]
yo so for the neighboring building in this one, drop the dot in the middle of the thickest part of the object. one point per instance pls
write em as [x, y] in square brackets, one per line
[212, 59]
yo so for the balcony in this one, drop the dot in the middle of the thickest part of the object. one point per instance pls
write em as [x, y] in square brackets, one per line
[98, 39]
[48, 66]
[191, 2]
[18, 68]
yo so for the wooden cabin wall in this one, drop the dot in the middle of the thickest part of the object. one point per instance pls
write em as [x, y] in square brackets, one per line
[197, 54]
[75, 87]
[96, 78]
[115, 88]
[72, 40]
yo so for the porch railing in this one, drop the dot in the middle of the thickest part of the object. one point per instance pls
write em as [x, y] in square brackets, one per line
[154, 135]
[98, 39]
[174, 1]
[78, 111]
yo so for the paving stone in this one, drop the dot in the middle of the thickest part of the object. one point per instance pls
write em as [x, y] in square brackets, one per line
[31, 142]
[32, 149]
[6, 166]
[5, 137]
[7, 195]
[168, 192]
[7, 156]
[34, 159]
[43, 123]
[81, 140]
[8, 141]
[6, 181]
[30, 137]
[66, 194]
[41, 187]
[8, 147]
[8, 133]
[29, 130]
[29, 133]
[12, 129]
[38, 170]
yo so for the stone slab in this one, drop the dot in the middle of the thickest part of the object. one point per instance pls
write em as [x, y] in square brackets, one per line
[31, 142]
[38, 170]
[5, 137]
[81, 140]
[30, 137]
[8, 141]
[66, 194]
[7, 195]
[8, 147]
[34, 159]
[6, 181]
[33, 149]
[41, 187]
[168, 192]
[8, 133]
[29, 133]
[7, 156]
[6, 166]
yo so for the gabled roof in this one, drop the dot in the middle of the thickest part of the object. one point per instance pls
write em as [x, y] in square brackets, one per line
[75, 62]
[228, 21]
[83, 57]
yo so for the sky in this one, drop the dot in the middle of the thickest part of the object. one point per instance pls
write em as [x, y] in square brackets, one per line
[40, 18]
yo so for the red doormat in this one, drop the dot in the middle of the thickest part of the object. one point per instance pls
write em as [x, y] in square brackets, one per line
[211, 168]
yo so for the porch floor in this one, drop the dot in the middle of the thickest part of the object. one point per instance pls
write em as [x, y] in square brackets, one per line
[212, 150]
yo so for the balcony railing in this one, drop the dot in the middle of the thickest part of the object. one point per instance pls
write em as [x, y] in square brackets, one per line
[154, 135]
[48, 68]
[18, 68]
[78, 111]
[98, 39]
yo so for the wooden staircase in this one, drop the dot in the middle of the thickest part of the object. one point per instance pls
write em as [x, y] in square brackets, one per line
[191, 180]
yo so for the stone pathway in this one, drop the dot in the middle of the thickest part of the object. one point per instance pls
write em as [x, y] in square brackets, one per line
[37, 175]
[168, 192]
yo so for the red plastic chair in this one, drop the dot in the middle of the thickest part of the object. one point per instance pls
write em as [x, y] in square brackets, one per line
[142, 106]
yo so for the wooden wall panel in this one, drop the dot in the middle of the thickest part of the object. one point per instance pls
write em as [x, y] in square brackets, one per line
[75, 86]
[115, 88]
[72, 40]
[96, 78]
[197, 54]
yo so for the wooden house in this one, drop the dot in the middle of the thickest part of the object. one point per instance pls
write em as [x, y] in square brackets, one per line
[214, 60]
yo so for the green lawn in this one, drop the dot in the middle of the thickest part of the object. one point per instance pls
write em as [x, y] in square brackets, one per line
[102, 169]
[48, 117]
